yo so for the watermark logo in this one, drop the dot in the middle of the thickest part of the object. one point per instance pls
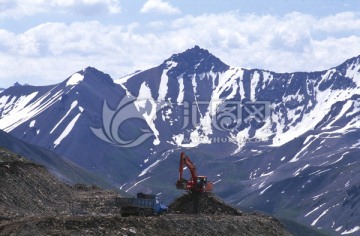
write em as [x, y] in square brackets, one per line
[225, 116]
[113, 119]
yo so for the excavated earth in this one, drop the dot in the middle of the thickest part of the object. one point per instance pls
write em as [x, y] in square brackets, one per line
[206, 203]
[33, 202]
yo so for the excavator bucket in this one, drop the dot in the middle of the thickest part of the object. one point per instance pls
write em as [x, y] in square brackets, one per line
[181, 184]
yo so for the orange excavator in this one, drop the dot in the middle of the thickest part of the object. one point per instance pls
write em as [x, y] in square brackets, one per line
[196, 184]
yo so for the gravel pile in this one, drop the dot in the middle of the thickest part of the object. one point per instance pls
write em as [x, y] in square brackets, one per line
[206, 203]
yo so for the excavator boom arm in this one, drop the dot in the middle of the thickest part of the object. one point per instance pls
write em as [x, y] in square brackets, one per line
[185, 161]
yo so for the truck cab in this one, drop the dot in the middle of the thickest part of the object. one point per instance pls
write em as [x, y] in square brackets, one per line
[160, 208]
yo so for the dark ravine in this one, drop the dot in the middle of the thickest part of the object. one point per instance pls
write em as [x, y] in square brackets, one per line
[34, 202]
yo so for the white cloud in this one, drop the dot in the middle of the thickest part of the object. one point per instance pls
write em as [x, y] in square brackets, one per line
[294, 42]
[160, 7]
[22, 8]
[343, 21]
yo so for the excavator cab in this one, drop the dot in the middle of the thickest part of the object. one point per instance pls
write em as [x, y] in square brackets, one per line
[203, 185]
[201, 182]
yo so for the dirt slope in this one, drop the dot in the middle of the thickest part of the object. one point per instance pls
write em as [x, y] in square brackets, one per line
[33, 202]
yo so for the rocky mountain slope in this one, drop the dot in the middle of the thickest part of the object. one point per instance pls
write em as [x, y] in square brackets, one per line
[62, 168]
[284, 143]
[59, 118]
[28, 189]
[34, 202]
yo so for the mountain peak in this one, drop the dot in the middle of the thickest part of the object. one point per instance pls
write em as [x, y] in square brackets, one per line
[199, 58]
[89, 75]
[196, 51]
[17, 84]
[351, 61]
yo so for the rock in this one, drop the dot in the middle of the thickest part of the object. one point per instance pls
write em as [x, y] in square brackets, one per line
[132, 230]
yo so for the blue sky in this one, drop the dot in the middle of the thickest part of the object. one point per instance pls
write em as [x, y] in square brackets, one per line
[45, 41]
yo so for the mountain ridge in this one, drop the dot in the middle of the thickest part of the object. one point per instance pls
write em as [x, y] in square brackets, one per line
[309, 133]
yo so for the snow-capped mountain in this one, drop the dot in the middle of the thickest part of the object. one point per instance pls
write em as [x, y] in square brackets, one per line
[305, 148]
[285, 143]
[299, 102]
[59, 117]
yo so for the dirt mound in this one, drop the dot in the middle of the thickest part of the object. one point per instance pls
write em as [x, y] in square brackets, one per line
[208, 203]
[28, 189]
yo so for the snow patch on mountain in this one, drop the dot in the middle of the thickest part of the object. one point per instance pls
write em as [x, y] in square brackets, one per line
[267, 174]
[148, 168]
[263, 191]
[67, 130]
[254, 84]
[16, 112]
[321, 215]
[267, 78]
[338, 228]
[73, 105]
[353, 71]
[144, 95]
[342, 156]
[177, 139]
[163, 87]
[180, 98]
[134, 185]
[20, 110]
[298, 171]
[351, 231]
[346, 107]
[74, 79]
[308, 141]
[32, 124]
[194, 84]
[3, 100]
[319, 195]
[122, 80]
[240, 139]
[162, 157]
[142, 102]
[315, 209]
[324, 102]
[227, 81]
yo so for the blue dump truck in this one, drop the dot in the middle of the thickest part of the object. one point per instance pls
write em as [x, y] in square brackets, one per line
[142, 205]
